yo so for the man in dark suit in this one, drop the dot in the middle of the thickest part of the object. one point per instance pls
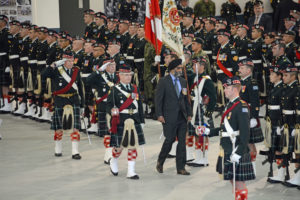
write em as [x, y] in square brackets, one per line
[260, 18]
[173, 111]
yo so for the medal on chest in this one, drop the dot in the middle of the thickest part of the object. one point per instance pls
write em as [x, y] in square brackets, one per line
[229, 115]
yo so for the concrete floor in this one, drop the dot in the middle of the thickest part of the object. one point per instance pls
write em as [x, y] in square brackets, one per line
[29, 170]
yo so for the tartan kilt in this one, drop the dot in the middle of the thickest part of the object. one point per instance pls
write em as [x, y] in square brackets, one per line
[16, 73]
[56, 123]
[275, 141]
[243, 170]
[4, 77]
[116, 139]
[256, 135]
[291, 141]
[102, 124]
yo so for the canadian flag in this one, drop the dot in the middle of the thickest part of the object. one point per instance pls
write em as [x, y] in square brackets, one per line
[153, 27]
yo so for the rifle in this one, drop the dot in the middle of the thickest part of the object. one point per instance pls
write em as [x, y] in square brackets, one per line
[285, 163]
[270, 158]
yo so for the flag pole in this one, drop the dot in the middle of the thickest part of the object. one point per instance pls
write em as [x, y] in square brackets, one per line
[156, 46]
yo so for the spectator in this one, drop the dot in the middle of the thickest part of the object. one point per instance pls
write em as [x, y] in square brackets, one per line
[260, 18]
[205, 8]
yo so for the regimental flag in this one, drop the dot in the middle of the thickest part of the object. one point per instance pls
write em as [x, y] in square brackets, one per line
[171, 36]
[153, 28]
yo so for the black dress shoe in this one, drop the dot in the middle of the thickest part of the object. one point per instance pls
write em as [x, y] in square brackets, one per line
[106, 162]
[135, 177]
[288, 184]
[183, 172]
[159, 168]
[171, 156]
[58, 154]
[76, 157]
[195, 165]
[298, 187]
[273, 181]
[190, 160]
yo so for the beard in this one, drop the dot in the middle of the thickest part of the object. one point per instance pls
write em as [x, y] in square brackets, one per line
[177, 74]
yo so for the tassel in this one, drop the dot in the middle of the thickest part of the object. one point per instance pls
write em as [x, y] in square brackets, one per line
[285, 139]
[125, 139]
[114, 124]
[297, 139]
[268, 132]
[29, 80]
[68, 117]
[132, 138]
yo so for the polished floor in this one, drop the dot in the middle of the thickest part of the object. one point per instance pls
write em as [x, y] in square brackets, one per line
[29, 170]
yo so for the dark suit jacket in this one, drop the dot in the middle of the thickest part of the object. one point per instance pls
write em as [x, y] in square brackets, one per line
[265, 21]
[167, 104]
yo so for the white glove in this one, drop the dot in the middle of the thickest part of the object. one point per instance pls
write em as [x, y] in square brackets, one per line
[253, 123]
[142, 125]
[157, 58]
[81, 111]
[59, 62]
[7, 70]
[278, 130]
[293, 132]
[202, 130]
[235, 158]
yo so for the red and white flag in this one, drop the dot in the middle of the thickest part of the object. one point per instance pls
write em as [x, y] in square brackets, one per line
[153, 27]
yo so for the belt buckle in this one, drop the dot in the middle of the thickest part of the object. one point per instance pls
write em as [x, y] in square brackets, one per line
[130, 111]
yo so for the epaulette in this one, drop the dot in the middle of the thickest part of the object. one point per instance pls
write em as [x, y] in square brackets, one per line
[206, 77]
[254, 81]
[244, 103]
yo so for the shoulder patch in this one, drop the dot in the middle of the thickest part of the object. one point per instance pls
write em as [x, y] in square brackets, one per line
[245, 110]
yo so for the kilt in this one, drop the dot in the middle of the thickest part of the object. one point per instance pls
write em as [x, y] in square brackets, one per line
[116, 139]
[243, 171]
[4, 77]
[56, 123]
[256, 135]
[102, 124]
[291, 141]
[275, 141]
[15, 63]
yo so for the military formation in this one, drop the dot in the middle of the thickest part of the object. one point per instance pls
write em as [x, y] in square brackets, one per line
[103, 83]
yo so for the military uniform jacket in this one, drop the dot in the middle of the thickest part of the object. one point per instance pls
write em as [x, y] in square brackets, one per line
[4, 47]
[25, 51]
[97, 62]
[255, 52]
[15, 44]
[273, 101]
[238, 119]
[91, 31]
[124, 40]
[281, 61]
[59, 83]
[229, 10]
[101, 38]
[250, 94]
[61, 51]
[52, 53]
[267, 53]
[128, 11]
[33, 49]
[288, 104]
[208, 90]
[297, 101]
[110, 34]
[87, 64]
[228, 57]
[117, 98]
[209, 40]
[102, 82]
[200, 33]
[118, 58]
[78, 58]
[41, 54]
[131, 45]
[241, 46]
[139, 49]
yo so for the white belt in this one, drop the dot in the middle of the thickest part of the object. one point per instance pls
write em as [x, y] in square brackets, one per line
[104, 100]
[130, 57]
[13, 57]
[221, 72]
[32, 61]
[256, 61]
[298, 112]
[274, 107]
[214, 57]
[265, 65]
[297, 64]
[42, 62]
[227, 134]
[242, 57]
[129, 111]
[208, 52]
[2, 54]
[85, 75]
[23, 58]
[288, 112]
[139, 60]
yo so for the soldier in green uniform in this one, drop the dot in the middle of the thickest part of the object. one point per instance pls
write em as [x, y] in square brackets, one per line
[4, 69]
[203, 95]
[68, 101]
[102, 81]
[91, 27]
[229, 11]
[101, 20]
[128, 10]
[234, 158]
[205, 8]
[250, 94]
[127, 121]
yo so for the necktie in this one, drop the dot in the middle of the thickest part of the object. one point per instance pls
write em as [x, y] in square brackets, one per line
[69, 72]
[256, 20]
[128, 88]
[177, 87]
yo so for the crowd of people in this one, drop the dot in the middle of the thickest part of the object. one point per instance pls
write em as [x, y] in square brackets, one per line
[107, 81]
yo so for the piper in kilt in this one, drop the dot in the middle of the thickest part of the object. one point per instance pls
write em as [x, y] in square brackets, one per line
[103, 80]
[127, 120]
[68, 99]
[250, 93]
[203, 95]
[235, 134]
